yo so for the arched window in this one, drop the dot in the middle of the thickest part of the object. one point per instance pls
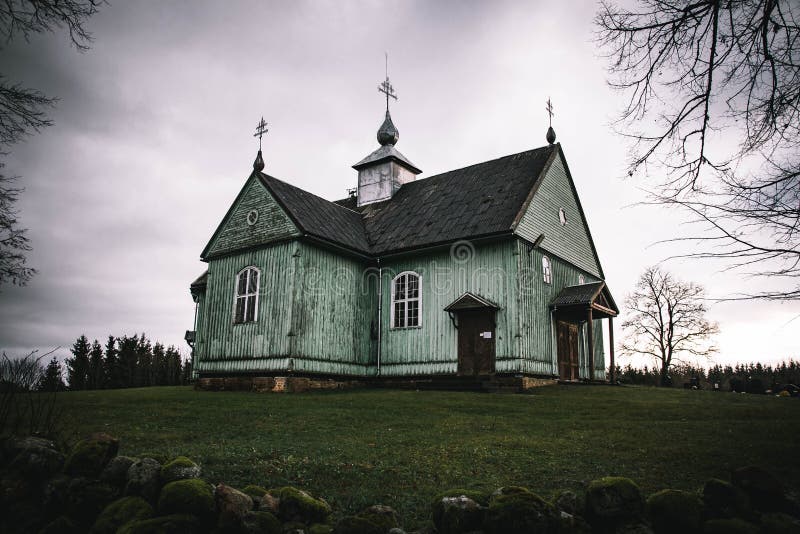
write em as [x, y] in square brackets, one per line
[581, 280]
[406, 300]
[547, 272]
[246, 295]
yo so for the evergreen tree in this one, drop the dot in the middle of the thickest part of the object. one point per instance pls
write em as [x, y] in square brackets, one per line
[52, 380]
[78, 365]
[186, 373]
[160, 365]
[173, 366]
[111, 364]
[144, 362]
[127, 360]
[96, 371]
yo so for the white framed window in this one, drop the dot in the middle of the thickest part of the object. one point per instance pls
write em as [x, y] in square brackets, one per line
[547, 271]
[581, 280]
[245, 308]
[406, 300]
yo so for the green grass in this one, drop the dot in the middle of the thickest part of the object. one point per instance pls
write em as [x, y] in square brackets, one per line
[400, 448]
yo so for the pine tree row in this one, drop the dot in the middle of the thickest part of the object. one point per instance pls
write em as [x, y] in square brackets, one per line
[124, 362]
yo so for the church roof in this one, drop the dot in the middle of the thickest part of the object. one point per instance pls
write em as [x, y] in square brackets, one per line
[481, 200]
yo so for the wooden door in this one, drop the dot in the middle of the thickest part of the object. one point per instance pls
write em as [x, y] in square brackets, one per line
[567, 350]
[476, 342]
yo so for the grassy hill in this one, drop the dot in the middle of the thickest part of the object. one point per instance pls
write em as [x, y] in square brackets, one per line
[399, 448]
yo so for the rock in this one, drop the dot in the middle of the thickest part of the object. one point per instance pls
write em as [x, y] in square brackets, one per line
[268, 503]
[192, 496]
[90, 456]
[729, 526]
[458, 510]
[86, 498]
[297, 505]
[54, 495]
[180, 468]
[143, 479]
[232, 505]
[321, 528]
[60, 525]
[356, 525]
[572, 524]
[509, 490]
[612, 501]
[778, 523]
[675, 511]
[260, 523]
[171, 524]
[635, 527]
[121, 512]
[383, 516]
[724, 500]
[765, 491]
[116, 472]
[294, 527]
[12, 446]
[569, 502]
[35, 460]
[520, 513]
[255, 492]
[21, 517]
[395, 531]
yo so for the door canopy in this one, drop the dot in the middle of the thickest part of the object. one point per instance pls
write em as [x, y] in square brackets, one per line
[470, 301]
[573, 301]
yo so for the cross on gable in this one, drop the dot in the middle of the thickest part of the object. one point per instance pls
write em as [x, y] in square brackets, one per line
[261, 129]
[549, 109]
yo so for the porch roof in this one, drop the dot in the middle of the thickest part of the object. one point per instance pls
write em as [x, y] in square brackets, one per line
[577, 299]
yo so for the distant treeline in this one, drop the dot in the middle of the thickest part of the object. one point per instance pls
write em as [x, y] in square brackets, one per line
[124, 362]
[737, 377]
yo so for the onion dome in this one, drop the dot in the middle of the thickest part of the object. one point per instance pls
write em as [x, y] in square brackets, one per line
[551, 135]
[387, 133]
[258, 164]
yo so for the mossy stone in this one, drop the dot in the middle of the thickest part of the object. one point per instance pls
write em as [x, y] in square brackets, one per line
[192, 496]
[729, 526]
[261, 523]
[357, 525]
[675, 511]
[255, 492]
[765, 490]
[120, 512]
[89, 456]
[296, 505]
[180, 468]
[60, 525]
[383, 516]
[520, 513]
[86, 498]
[779, 523]
[169, 524]
[612, 501]
[448, 513]
[569, 502]
[320, 528]
[724, 500]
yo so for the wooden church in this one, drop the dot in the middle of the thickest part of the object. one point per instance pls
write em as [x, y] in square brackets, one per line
[484, 274]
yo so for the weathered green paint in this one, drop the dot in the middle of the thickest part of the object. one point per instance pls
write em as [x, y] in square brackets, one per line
[234, 233]
[537, 336]
[313, 315]
[571, 241]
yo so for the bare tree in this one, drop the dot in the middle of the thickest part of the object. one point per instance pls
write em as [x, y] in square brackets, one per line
[22, 111]
[713, 105]
[666, 320]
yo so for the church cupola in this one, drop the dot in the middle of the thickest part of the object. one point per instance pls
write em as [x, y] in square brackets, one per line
[384, 171]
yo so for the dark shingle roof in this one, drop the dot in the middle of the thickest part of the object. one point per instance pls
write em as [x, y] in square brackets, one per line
[319, 217]
[479, 200]
[585, 295]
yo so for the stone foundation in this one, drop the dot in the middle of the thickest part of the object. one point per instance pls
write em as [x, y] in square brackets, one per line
[275, 384]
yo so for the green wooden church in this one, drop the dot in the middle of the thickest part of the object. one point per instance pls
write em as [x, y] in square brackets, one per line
[486, 273]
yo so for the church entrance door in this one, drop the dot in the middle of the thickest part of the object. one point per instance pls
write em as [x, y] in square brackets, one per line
[476, 342]
[567, 350]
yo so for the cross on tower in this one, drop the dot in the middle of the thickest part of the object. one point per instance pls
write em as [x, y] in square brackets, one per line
[386, 87]
[549, 109]
[261, 129]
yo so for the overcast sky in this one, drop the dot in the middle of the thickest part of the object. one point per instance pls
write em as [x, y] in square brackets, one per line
[153, 140]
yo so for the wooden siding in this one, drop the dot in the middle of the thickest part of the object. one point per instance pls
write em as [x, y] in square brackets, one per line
[536, 327]
[314, 314]
[234, 233]
[570, 241]
[486, 270]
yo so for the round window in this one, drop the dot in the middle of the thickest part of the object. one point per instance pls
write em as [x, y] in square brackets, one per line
[562, 216]
[252, 217]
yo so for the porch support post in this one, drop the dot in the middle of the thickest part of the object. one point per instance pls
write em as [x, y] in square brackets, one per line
[590, 342]
[611, 349]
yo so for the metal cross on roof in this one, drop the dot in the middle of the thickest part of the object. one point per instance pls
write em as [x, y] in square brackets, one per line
[261, 129]
[549, 109]
[386, 87]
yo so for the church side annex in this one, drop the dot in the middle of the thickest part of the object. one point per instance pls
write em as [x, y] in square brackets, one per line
[486, 275]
